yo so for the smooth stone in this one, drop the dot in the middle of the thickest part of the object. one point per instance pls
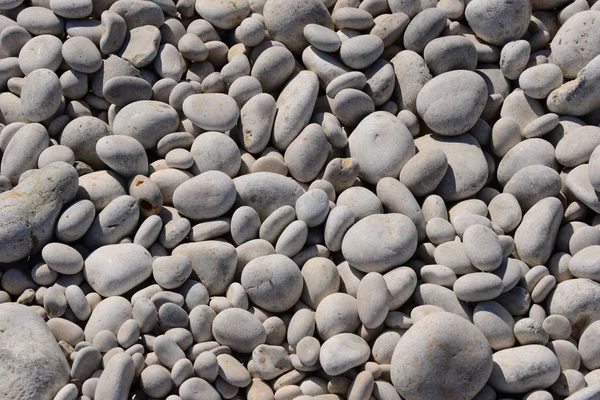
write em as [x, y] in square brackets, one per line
[441, 341]
[361, 51]
[81, 135]
[467, 169]
[514, 57]
[449, 53]
[43, 51]
[81, 54]
[567, 300]
[340, 219]
[215, 151]
[423, 28]
[212, 261]
[576, 148]
[382, 145]
[295, 105]
[285, 282]
[378, 252]
[38, 367]
[257, 117]
[123, 90]
[62, 258]
[477, 287]
[523, 369]
[40, 21]
[532, 184]
[536, 235]
[584, 263]
[412, 73]
[441, 114]
[136, 13]
[116, 378]
[195, 388]
[323, 38]
[307, 154]
[579, 185]
[336, 313]
[131, 265]
[483, 248]
[496, 323]
[435, 295]
[141, 46]
[238, 329]
[576, 42]
[528, 152]
[22, 152]
[41, 95]
[588, 346]
[424, 171]
[505, 211]
[540, 80]
[265, 192]
[372, 300]
[273, 68]
[285, 21]
[205, 196]
[123, 154]
[321, 279]
[326, 65]
[498, 22]
[343, 352]
[116, 221]
[202, 110]
[147, 121]
[71, 9]
[30, 210]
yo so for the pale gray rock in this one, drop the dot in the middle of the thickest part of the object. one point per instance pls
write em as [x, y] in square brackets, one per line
[576, 43]
[498, 22]
[536, 235]
[212, 111]
[576, 299]
[532, 184]
[23, 150]
[131, 264]
[343, 352]
[147, 121]
[37, 367]
[379, 242]
[266, 191]
[441, 341]
[523, 369]
[41, 95]
[30, 210]
[208, 195]
[238, 329]
[108, 315]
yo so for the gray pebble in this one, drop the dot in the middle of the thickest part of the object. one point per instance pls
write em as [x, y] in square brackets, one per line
[498, 23]
[307, 154]
[140, 46]
[238, 329]
[312, 207]
[423, 28]
[322, 37]
[146, 121]
[216, 190]
[81, 54]
[448, 53]
[41, 95]
[361, 51]
[335, 361]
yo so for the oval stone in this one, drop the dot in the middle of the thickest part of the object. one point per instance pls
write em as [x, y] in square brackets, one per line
[379, 242]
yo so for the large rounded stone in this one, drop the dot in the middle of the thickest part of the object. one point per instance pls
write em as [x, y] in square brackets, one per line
[147, 121]
[238, 329]
[205, 196]
[285, 20]
[578, 300]
[523, 369]
[272, 282]
[382, 145]
[451, 103]
[498, 21]
[379, 242]
[115, 269]
[442, 356]
[32, 365]
[467, 169]
[266, 191]
[28, 212]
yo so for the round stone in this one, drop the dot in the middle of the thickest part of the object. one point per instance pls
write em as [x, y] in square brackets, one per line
[41, 95]
[273, 283]
[238, 329]
[208, 195]
[343, 352]
[441, 342]
[212, 111]
[498, 22]
[451, 103]
[379, 242]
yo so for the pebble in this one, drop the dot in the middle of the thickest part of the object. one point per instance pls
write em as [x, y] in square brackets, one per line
[238, 329]
[284, 282]
[335, 361]
[41, 95]
[455, 339]
[361, 51]
[498, 23]
[196, 109]
[523, 369]
[371, 142]
[147, 121]
[216, 190]
[40, 370]
[423, 28]
[373, 254]
[569, 51]
[140, 45]
[62, 258]
[116, 378]
[478, 237]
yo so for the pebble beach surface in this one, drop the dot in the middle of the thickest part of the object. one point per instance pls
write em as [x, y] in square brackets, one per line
[299, 199]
